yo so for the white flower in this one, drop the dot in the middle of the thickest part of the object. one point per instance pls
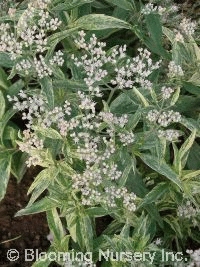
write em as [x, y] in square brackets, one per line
[175, 70]
[166, 92]
[158, 241]
[57, 58]
[187, 26]
[169, 134]
[127, 138]
[41, 67]
[179, 37]
[152, 115]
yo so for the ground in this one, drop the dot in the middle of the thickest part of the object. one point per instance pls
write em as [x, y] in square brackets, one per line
[28, 232]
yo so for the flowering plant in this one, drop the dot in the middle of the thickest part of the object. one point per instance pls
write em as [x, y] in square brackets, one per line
[114, 130]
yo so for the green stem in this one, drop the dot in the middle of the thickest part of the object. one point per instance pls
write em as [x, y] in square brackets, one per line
[112, 91]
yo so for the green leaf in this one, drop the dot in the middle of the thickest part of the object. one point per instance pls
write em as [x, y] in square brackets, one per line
[4, 82]
[184, 151]
[55, 225]
[175, 226]
[48, 132]
[154, 214]
[124, 4]
[154, 27]
[44, 204]
[162, 168]
[42, 262]
[2, 105]
[18, 166]
[141, 97]
[113, 227]
[10, 135]
[125, 174]
[191, 88]
[188, 105]
[5, 60]
[193, 162]
[180, 156]
[45, 260]
[47, 88]
[87, 232]
[41, 183]
[160, 148]
[195, 80]
[59, 36]
[155, 194]
[142, 226]
[5, 118]
[70, 4]
[101, 22]
[96, 212]
[125, 232]
[133, 120]
[136, 184]
[5, 164]
[15, 87]
[123, 104]
[170, 34]
[175, 96]
[190, 174]
[73, 219]
[70, 85]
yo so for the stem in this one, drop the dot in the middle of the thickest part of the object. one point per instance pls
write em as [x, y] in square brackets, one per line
[111, 95]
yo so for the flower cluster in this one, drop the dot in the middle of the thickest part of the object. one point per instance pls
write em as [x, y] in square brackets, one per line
[165, 9]
[47, 23]
[168, 117]
[175, 70]
[57, 58]
[30, 142]
[166, 92]
[24, 66]
[8, 42]
[96, 151]
[42, 4]
[169, 134]
[179, 37]
[126, 138]
[110, 118]
[93, 176]
[32, 106]
[195, 257]
[5, 6]
[31, 34]
[158, 241]
[92, 185]
[114, 193]
[92, 62]
[187, 27]
[135, 71]
[164, 118]
[41, 67]
[150, 8]
[188, 210]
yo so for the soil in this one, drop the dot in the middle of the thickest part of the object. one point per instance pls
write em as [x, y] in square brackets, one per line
[26, 232]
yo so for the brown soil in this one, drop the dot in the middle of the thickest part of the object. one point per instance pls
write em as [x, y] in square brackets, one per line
[28, 232]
